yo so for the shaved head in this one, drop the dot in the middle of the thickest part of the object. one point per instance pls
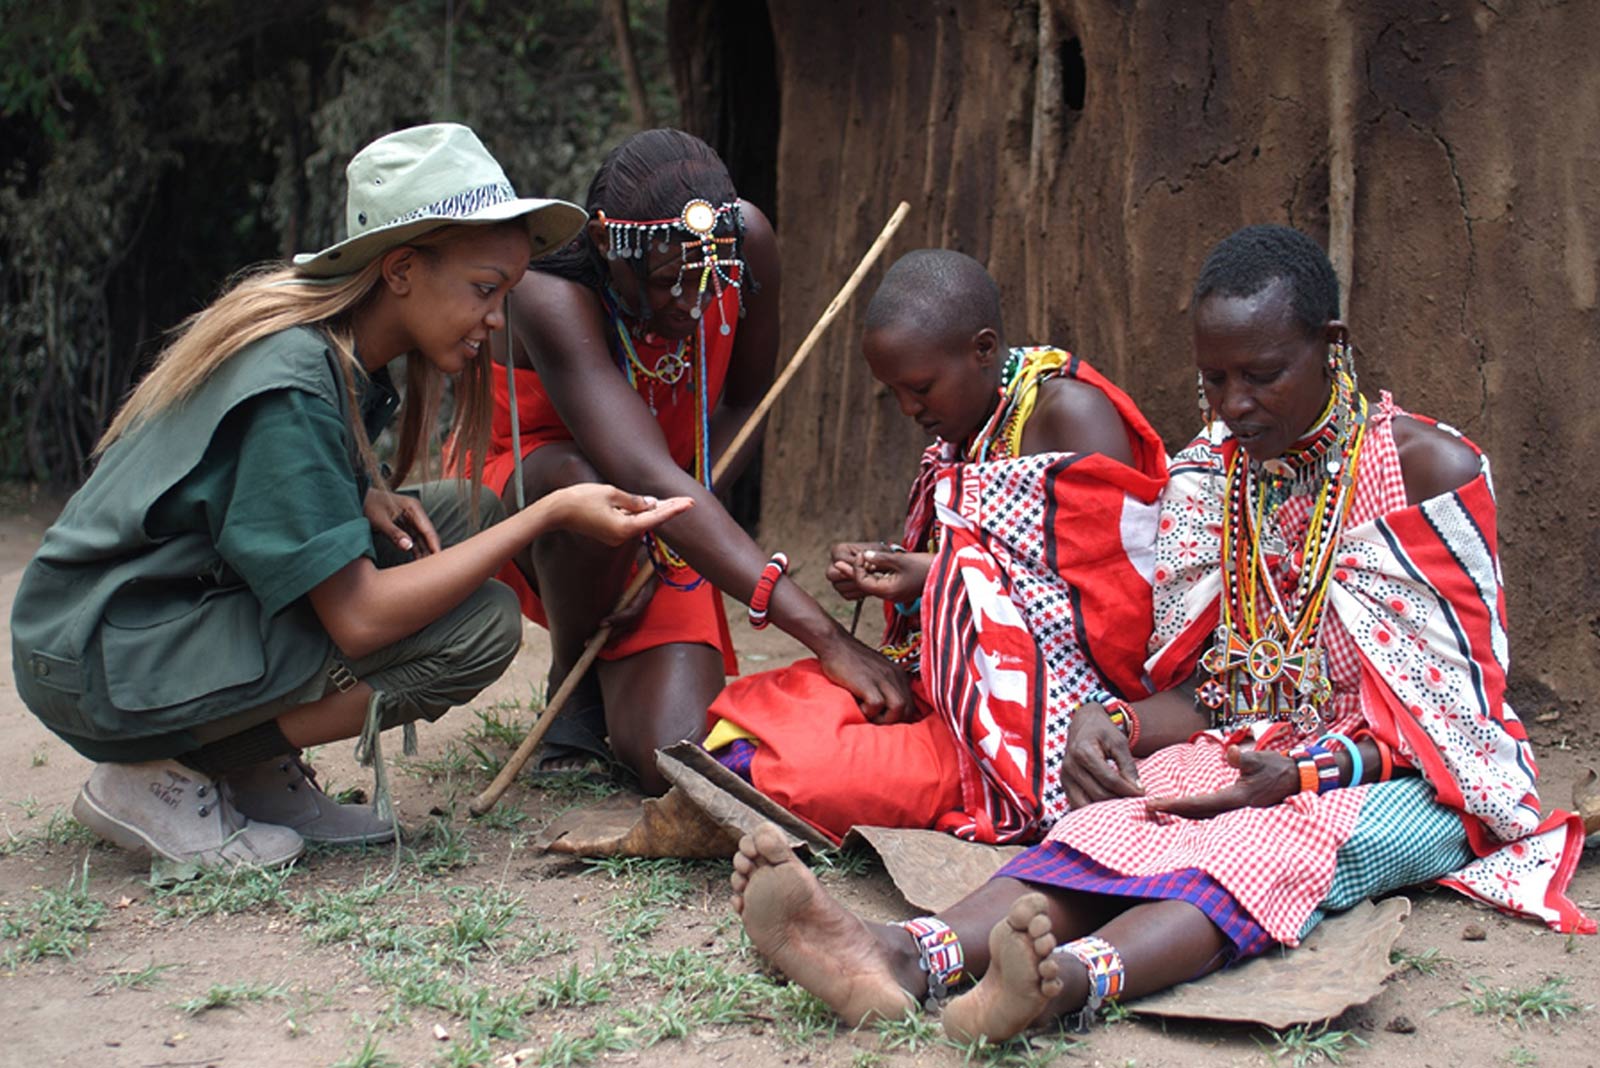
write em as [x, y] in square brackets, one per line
[943, 295]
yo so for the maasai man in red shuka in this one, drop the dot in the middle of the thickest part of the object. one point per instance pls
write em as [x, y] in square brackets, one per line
[1020, 587]
[638, 351]
[1330, 651]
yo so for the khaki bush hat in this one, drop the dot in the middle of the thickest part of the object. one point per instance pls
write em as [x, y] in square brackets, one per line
[419, 179]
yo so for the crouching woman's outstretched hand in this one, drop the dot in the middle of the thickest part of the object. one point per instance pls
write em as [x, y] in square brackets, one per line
[608, 514]
[364, 607]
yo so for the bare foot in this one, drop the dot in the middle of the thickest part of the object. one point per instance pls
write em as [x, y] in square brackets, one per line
[809, 936]
[1023, 978]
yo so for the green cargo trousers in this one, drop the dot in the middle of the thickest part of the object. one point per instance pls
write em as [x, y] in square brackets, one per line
[445, 664]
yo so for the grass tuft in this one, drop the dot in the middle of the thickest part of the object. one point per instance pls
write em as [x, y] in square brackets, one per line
[222, 892]
[1549, 1001]
[231, 996]
[1305, 1044]
[57, 924]
[370, 1055]
[912, 1032]
[144, 978]
[1424, 962]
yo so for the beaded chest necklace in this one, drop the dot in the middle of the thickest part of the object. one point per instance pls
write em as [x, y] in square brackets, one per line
[669, 372]
[1266, 661]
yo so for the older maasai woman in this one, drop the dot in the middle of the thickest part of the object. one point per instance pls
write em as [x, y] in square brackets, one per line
[1326, 574]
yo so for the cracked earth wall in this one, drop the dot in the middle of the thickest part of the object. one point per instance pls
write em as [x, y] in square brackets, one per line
[1446, 153]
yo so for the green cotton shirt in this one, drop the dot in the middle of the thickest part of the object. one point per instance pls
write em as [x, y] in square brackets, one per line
[278, 491]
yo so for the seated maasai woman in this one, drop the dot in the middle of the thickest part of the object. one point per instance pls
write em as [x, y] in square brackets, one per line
[1031, 530]
[1326, 572]
[638, 352]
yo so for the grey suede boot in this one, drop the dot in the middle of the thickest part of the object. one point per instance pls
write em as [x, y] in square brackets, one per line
[178, 814]
[284, 791]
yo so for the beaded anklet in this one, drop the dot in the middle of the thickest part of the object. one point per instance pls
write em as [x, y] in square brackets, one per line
[941, 956]
[1106, 973]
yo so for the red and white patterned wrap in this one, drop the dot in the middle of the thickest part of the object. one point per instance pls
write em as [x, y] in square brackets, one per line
[1038, 596]
[1417, 653]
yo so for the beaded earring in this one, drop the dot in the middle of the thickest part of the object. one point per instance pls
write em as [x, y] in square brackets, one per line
[1205, 404]
[1342, 358]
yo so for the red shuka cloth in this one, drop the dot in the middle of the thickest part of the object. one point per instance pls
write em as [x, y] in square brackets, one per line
[1039, 595]
[673, 615]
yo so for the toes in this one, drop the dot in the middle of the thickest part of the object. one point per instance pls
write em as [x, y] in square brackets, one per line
[747, 850]
[1051, 988]
[739, 880]
[742, 864]
[1039, 926]
[738, 904]
[1044, 945]
[1025, 910]
[770, 844]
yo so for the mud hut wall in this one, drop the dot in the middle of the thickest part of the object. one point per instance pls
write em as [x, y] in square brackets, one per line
[1447, 149]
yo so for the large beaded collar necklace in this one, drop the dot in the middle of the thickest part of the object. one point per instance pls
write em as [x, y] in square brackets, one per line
[1266, 661]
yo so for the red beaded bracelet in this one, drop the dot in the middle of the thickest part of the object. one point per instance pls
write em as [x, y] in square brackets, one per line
[775, 569]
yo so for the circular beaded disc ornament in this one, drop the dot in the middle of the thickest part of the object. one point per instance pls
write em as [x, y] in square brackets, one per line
[699, 217]
[1266, 659]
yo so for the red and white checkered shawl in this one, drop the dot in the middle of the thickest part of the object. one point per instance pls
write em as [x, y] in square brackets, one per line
[1417, 589]
[1038, 595]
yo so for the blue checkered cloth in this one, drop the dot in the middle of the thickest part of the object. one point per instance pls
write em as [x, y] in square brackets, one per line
[736, 757]
[1061, 866]
[1402, 837]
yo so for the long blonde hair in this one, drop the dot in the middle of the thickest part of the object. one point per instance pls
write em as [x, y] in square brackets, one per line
[265, 300]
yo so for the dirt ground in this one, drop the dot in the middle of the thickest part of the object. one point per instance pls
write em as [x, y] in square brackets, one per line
[470, 947]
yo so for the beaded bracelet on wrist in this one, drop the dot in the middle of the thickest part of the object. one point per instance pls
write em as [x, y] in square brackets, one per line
[1327, 768]
[1307, 769]
[1358, 769]
[1118, 711]
[1317, 766]
[762, 597]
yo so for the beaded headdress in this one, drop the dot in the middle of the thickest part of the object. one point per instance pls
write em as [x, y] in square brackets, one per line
[708, 235]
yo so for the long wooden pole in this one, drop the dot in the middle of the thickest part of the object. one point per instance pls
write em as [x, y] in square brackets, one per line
[524, 752]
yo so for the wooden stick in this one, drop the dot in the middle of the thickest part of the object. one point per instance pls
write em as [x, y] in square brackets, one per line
[524, 752]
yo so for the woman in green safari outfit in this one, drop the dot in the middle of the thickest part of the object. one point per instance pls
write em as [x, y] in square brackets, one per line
[236, 581]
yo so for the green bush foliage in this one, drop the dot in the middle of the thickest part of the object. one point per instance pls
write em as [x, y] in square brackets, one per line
[153, 147]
